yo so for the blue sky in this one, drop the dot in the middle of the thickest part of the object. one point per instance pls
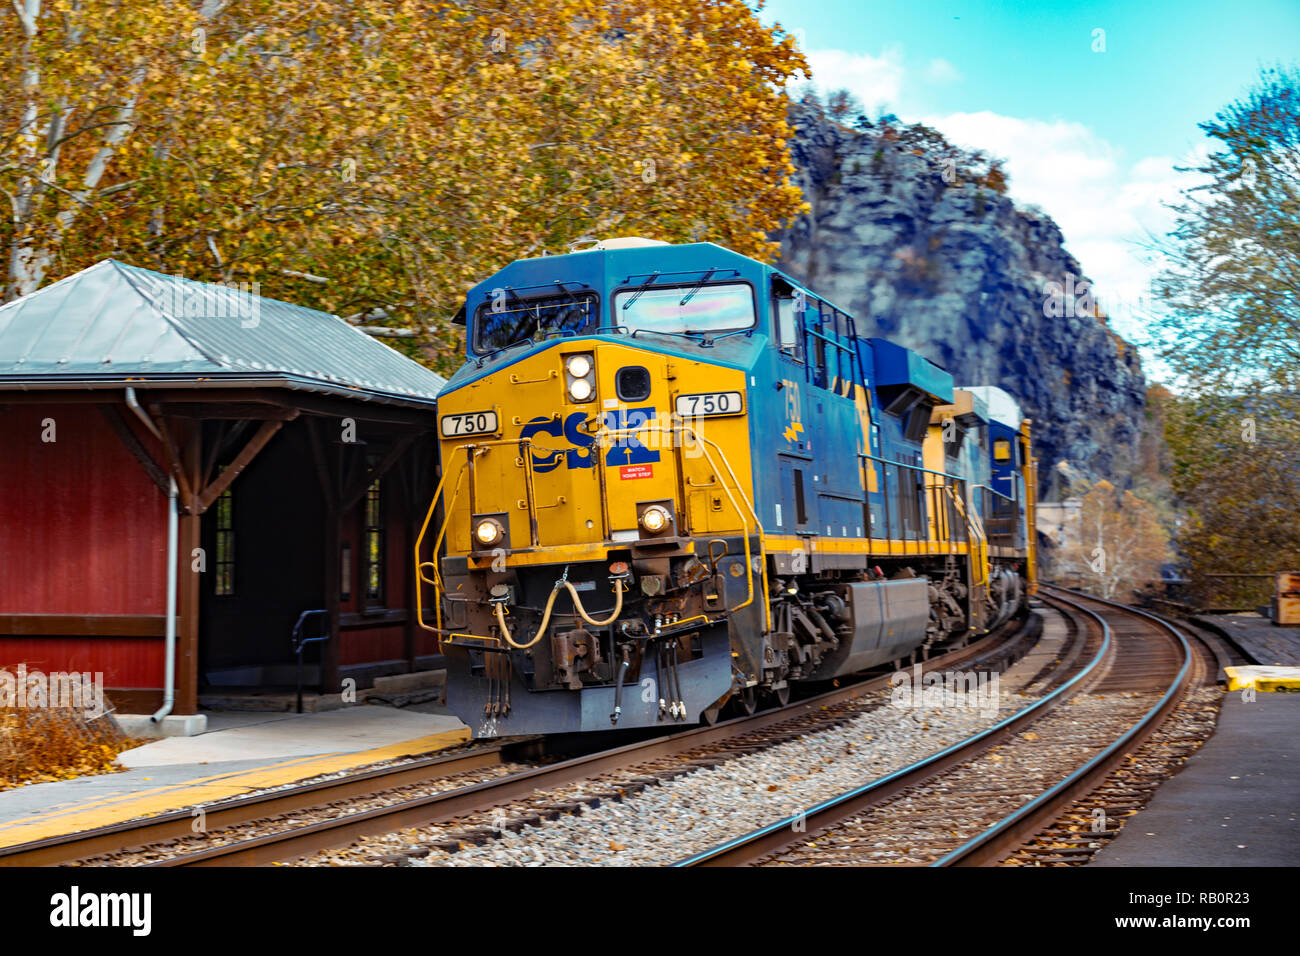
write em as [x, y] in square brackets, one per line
[1091, 135]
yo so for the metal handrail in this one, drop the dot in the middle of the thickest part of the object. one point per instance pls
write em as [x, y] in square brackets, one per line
[298, 643]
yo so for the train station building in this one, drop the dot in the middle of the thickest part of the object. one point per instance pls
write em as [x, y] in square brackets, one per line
[242, 460]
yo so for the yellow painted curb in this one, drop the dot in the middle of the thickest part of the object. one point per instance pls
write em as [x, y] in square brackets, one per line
[1264, 678]
[178, 796]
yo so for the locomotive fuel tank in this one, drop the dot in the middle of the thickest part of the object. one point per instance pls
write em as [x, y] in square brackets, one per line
[880, 622]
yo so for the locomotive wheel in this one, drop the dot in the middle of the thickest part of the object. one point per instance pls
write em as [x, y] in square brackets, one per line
[747, 701]
[782, 695]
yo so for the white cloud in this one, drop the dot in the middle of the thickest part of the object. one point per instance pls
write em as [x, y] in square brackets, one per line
[1107, 207]
[875, 81]
[940, 70]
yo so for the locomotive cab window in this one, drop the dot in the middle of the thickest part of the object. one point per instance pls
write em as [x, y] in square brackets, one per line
[821, 372]
[917, 422]
[954, 436]
[1002, 450]
[506, 319]
[685, 309]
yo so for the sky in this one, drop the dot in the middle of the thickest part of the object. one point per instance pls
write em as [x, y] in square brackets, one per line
[1092, 105]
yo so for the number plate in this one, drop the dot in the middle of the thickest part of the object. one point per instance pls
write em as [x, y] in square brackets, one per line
[469, 423]
[710, 403]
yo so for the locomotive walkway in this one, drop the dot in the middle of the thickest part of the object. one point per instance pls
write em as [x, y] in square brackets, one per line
[239, 754]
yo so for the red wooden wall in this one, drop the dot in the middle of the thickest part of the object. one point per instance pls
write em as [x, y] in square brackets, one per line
[83, 530]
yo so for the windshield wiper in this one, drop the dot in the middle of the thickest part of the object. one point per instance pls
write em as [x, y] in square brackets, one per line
[640, 289]
[696, 288]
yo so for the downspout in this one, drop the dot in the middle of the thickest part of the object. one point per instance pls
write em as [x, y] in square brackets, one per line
[140, 413]
[169, 678]
[169, 672]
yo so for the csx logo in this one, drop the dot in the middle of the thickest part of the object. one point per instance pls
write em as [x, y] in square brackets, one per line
[627, 450]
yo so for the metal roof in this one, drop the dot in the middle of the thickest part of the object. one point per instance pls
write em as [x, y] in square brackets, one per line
[113, 322]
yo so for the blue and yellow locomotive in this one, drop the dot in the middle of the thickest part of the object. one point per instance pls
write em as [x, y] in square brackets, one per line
[673, 479]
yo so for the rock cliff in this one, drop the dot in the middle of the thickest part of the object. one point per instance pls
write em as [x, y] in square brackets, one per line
[926, 251]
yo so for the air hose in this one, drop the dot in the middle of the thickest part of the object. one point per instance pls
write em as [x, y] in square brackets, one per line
[618, 688]
[619, 587]
[618, 604]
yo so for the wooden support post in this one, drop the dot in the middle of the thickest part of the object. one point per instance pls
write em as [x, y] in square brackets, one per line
[134, 446]
[187, 580]
[329, 655]
[231, 471]
[327, 467]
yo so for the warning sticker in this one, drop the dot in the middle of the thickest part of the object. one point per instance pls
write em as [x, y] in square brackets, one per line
[636, 471]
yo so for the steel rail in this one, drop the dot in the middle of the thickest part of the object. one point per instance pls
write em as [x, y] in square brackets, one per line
[998, 840]
[431, 808]
[439, 808]
[180, 823]
[445, 806]
[799, 827]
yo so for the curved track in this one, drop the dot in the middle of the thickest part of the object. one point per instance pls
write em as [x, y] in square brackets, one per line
[289, 839]
[950, 808]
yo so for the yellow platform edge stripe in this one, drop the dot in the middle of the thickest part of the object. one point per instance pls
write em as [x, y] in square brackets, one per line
[1264, 678]
[179, 796]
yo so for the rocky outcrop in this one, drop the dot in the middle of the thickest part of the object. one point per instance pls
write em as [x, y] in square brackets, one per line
[928, 255]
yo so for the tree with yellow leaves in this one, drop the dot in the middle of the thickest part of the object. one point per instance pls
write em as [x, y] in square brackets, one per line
[1115, 545]
[376, 157]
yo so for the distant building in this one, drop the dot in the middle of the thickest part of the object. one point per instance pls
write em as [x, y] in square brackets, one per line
[1058, 521]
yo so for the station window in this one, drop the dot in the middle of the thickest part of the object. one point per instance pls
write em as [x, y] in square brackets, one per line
[374, 547]
[225, 563]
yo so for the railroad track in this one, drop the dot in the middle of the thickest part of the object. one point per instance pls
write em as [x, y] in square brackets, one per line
[280, 834]
[976, 802]
[466, 759]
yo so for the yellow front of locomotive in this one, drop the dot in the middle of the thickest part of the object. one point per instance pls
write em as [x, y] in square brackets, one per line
[599, 535]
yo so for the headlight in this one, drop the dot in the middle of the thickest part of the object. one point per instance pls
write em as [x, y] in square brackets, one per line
[655, 518]
[580, 377]
[489, 531]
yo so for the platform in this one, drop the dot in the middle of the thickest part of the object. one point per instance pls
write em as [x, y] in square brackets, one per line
[1258, 638]
[238, 753]
[1235, 803]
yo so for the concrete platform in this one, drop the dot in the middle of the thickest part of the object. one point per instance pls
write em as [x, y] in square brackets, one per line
[1258, 638]
[143, 726]
[1235, 803]
[239, 753]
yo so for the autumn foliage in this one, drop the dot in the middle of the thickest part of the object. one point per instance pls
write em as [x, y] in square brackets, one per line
[1116, 545]
[379, 156]
[1237, 476]
[53, 743]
